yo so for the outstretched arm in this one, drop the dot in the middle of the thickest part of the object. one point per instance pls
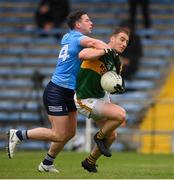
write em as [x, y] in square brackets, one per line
[91, 53]
[94, 43]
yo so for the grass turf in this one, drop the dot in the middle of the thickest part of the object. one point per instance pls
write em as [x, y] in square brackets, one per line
[119, 166]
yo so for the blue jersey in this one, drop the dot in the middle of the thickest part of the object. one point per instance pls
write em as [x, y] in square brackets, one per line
[68, 63]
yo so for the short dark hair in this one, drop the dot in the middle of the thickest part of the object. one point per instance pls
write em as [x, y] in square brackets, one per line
[120, 29]
[74, 17]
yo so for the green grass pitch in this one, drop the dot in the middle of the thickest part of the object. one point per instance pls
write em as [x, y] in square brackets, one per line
[119, 166]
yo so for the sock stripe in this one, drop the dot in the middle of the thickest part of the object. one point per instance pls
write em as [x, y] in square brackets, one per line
[90, 162]
[91, 159]
[49, 158]
[100, 135]
[24, 134]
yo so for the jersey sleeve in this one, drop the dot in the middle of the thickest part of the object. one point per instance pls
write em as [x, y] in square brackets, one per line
[80, 38]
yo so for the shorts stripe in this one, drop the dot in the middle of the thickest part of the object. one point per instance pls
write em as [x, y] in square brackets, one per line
[83, 106]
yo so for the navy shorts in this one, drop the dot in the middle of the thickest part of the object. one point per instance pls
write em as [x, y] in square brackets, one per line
[58, 101]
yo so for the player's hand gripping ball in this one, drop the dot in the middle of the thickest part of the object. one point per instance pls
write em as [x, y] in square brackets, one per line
[112, 82]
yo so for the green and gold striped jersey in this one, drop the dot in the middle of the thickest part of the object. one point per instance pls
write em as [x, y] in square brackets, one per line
[88, 80]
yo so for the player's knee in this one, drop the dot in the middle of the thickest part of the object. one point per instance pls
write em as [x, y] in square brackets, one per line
[71, 135]
[60, 136]
[55, 137]
[63, 135]
[121, 116]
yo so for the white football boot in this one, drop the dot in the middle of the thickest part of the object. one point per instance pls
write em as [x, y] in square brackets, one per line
[47, 168]
[13, 140]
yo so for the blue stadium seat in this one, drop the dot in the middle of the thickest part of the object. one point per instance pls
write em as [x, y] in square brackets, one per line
[25, 61]
[20, 40]
[10, 60]
[161, 42]
[140, 84]
[18, 94]
[132, 106]
[12, 105]
[3, 144]
[14, 51]
[47, 71]
[9, 116]
[16, 20]
[155, 32]
[27, 116]
[106, 21]
[130, 96]
[43, 51]
[20, 116]
[132, 119]
[17, 72]
[162, 21]
[155, 62]
[38, 61]
[16, 83]
[48, 40]
[34, 145]
[158, 53]
[17, 9]
[148, 74]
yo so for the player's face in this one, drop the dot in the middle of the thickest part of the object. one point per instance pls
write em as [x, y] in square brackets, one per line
[120, 42]
[85, 25]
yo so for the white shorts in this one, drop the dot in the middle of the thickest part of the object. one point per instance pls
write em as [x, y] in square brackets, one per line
[91, 107]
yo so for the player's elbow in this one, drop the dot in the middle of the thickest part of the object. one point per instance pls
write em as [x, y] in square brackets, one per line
[95, 43]
[82, 55]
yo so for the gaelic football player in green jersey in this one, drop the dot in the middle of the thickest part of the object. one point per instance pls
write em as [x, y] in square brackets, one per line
[92, 101]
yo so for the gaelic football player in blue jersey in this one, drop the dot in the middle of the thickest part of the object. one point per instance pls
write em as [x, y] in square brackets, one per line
[59, 93]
